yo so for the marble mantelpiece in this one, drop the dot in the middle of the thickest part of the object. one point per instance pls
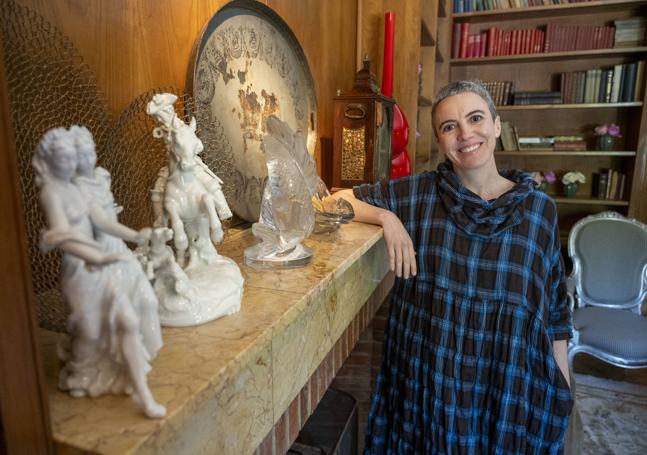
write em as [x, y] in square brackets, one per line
[225, 383]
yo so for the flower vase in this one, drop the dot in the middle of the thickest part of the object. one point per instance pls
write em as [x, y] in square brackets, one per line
[606, 142]
[570, 189]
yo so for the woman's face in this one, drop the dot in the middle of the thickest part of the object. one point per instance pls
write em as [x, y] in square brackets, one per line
[87, 159]
[466, 131]
[63, 160]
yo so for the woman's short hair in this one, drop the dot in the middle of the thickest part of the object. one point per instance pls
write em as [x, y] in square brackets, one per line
[458, 87]
[47, 145]
[83, 138]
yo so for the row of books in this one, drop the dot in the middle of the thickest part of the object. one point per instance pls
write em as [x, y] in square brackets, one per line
[630, 32]
[509, 137]
[495, 42]
[620, 84]
[511, 141]
[540, 97]
[608, 184]
[469, 6]
[500, 91]
[555, 38]
[560, 38]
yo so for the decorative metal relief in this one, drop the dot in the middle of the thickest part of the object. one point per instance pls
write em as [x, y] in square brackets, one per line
[352, 154]
[248, 65]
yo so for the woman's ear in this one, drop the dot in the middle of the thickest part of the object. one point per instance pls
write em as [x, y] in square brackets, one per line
[497, 126]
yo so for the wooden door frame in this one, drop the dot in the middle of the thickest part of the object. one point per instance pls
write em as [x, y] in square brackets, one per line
[24, 410]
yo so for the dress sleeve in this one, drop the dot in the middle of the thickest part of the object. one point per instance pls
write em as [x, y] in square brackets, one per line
[560, 326]
[400, 196]
[376, 194]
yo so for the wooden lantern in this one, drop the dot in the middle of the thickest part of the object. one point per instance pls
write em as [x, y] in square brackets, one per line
[362, 133]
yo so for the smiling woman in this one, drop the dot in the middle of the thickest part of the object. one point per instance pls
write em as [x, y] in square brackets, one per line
[475, 348]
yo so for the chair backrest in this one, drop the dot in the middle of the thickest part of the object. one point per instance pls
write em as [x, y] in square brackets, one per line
[609, 254]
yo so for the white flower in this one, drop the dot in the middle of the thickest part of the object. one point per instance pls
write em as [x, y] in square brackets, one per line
[573, 177]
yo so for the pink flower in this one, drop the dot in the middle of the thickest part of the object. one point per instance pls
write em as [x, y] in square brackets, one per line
[550, 177]
[611, 130]
[614, 130]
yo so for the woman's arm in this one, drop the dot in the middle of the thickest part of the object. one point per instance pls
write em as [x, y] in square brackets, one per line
[71, 241]
[402, 257]
[101, 221]
[560, 351]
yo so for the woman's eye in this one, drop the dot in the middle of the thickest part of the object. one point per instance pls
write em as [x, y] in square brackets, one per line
[476, 118]
[447, 128]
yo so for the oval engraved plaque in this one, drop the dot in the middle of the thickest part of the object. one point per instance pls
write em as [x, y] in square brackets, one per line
[247, 66]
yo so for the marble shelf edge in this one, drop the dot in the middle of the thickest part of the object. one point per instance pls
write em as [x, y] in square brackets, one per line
[226, 383]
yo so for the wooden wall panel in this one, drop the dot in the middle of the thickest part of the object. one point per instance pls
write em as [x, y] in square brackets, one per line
[24, 412]
[133, 46]
[406, 55]
[327, 32]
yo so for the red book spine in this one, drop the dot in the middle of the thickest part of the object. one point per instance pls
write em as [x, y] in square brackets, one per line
[470, 46]
[465, 31]
[490, 41]
[484, 41]
[456, 40]
[597, 38]
[578, 38]
[605, 40]
[527, 41]
[574, 35]
[506, 46]
[548, 41]
[589, 37]
[514, 39]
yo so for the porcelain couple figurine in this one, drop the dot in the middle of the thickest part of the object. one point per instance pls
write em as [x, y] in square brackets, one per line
[113, 329]
[203, 285]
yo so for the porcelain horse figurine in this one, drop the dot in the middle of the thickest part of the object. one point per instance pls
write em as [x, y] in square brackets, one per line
[189, 197]
[186, 192]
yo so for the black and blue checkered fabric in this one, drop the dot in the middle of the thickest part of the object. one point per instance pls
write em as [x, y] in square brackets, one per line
[468, 366]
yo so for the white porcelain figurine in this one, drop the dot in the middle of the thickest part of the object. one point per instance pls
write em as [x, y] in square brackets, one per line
[172, 285]
[189, 196]
[113, 328]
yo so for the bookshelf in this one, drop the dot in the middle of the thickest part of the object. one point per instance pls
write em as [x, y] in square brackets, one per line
[541, 72]
[428, 58]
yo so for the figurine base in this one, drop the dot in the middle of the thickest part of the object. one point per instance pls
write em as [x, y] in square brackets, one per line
[298, 257]
[220, 289]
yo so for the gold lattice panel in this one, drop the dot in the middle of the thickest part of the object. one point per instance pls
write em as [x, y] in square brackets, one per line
[352, 154]
[49, 86]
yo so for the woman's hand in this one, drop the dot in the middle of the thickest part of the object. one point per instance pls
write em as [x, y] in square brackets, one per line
[402, 258]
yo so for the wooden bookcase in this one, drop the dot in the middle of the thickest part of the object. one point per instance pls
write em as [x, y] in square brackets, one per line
[541, 72]
[428, 45]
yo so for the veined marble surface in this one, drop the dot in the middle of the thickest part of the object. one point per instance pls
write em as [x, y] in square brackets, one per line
[225, 383]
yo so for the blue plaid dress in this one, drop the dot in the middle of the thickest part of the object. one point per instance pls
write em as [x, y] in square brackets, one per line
[468, 365]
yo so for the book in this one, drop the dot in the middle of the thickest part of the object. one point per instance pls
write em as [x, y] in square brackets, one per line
[465, 31]
[617, 78]
[640, 74]
[629, 82]
[456, 40]
[507, 137]
[599, 185]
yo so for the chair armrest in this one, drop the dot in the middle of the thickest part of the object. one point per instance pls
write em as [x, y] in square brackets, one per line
[570, 291]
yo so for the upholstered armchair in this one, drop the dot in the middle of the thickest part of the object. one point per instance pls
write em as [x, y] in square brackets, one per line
[607, 288]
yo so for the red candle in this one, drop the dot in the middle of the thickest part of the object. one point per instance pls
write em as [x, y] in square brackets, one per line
[387, 69]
